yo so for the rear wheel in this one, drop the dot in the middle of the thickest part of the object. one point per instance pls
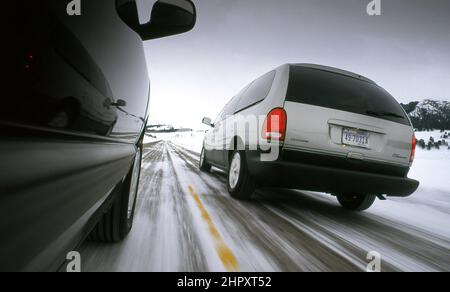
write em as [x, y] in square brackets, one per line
[204, 165]
[240, 184]
[116, 224]
[356, 202]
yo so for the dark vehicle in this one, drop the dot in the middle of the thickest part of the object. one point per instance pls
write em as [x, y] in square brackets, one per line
[72, 121]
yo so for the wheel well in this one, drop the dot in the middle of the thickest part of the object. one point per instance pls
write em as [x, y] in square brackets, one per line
[236, 144]
[71, 104]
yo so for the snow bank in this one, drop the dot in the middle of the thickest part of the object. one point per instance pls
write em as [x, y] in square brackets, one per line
[432, 167]
[429, 207]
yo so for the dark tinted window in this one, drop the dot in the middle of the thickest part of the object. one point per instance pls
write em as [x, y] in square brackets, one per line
[257, 91]
[336, 91]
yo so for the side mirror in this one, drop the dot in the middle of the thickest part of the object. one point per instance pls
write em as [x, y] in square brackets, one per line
[208, 122]
[120, 103]
[169, 17]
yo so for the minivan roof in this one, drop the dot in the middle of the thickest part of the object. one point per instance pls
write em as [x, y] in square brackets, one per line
[333, 70]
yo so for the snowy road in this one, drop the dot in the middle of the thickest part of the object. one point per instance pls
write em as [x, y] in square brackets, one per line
[186, 221]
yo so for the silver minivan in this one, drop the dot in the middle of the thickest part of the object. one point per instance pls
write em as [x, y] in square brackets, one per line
[333, 131]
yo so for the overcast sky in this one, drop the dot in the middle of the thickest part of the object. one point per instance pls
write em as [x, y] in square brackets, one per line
[406, 50]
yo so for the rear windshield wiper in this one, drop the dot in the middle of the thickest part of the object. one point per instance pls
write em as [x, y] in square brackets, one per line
[385, 114]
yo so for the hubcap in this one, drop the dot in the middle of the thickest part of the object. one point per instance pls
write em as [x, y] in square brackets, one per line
[134, 183]
[235, 170]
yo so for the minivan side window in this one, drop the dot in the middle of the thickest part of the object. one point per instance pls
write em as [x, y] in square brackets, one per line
[335, 91]
[256, 92]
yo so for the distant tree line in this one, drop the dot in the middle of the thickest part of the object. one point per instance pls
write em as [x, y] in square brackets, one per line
[165, 129]
[433, 144]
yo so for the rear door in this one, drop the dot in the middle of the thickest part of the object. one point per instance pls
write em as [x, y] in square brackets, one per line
[339, 115]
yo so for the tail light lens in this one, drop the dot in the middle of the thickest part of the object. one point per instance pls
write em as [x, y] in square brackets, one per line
[413, 149]
[275, 125]
[30, 65]
[29, 61]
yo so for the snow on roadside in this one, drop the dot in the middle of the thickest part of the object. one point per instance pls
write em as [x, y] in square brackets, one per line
[432, 169]
[429, 207]
[150, 139]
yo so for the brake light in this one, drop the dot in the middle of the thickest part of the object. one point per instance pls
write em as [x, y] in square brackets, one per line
[413, 149]
[30, 65]
[29, 62]
[275, 125]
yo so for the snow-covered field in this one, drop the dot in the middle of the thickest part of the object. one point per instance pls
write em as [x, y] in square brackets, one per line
[432, 167]
[429, 207]
[190, 140]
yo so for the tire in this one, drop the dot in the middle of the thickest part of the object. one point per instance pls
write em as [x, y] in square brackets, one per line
[203, 164]
[117, 223]
[240, 184]
[356, 203]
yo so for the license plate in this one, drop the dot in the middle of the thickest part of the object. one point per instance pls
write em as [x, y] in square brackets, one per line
[356, 138]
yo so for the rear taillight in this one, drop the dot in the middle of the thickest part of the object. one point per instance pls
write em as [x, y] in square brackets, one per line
[275, 125]
[413, 149]
[30, 65]
[29, 62]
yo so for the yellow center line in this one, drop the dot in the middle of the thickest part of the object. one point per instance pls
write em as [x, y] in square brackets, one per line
[227, 257]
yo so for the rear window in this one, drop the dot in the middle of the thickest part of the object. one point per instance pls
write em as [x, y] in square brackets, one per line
[332, 90]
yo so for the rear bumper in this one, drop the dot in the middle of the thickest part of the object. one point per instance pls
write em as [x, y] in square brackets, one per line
[327, 179]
